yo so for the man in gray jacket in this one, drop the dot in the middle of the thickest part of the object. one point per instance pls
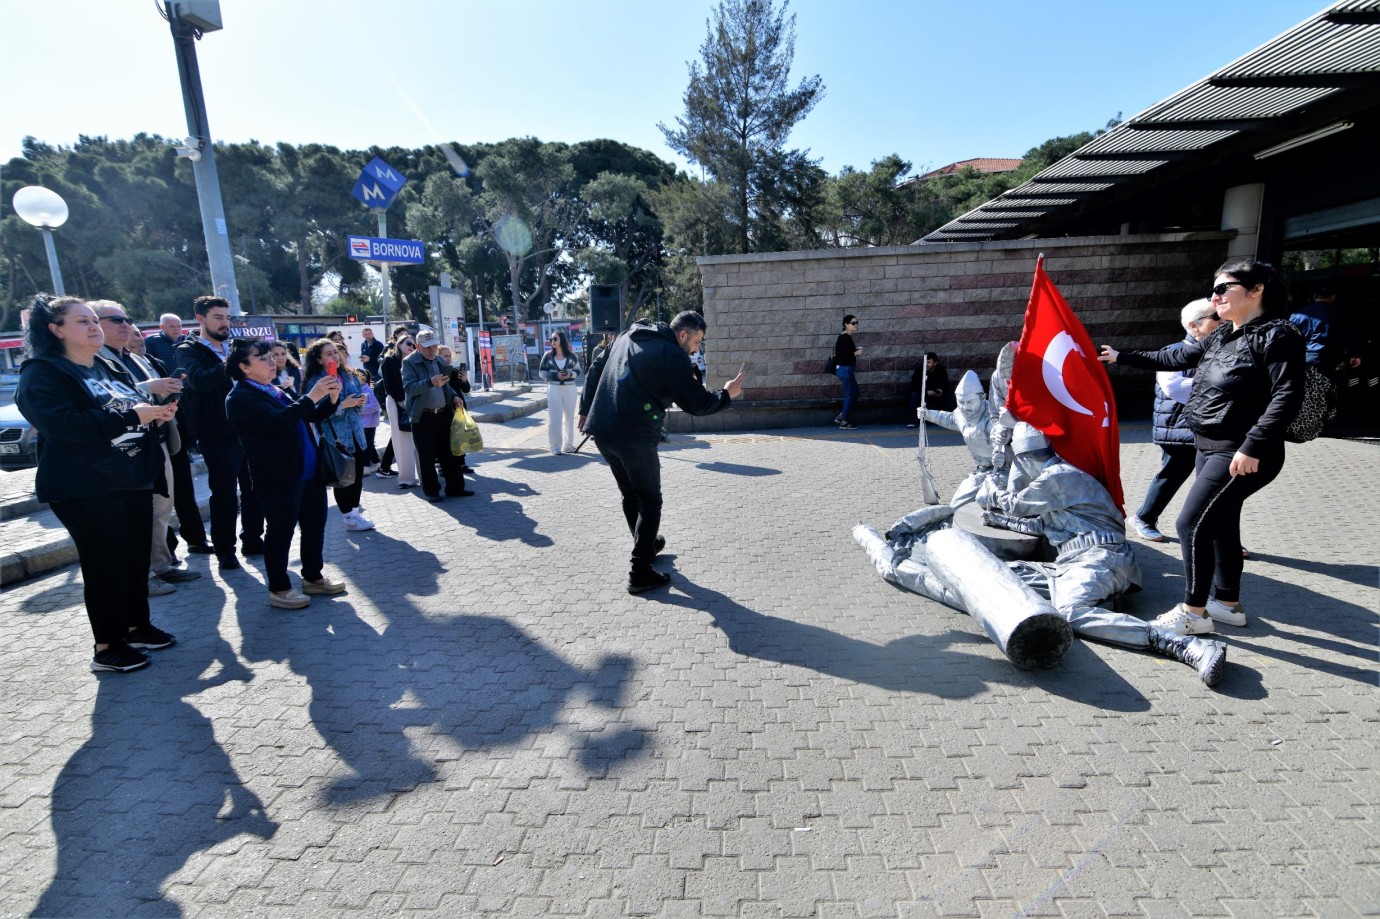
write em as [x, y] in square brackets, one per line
[648, 368]
[431, 404]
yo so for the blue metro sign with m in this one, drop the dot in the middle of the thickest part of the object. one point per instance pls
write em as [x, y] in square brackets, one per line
[378, 184]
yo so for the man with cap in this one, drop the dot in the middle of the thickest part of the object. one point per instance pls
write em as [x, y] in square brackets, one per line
[431, 404]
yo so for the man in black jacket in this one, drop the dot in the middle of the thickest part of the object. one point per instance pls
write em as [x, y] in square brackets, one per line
[227, 472]
[648, 369]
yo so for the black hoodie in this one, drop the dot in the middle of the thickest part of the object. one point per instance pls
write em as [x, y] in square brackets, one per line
[632, 383]
[87, 446]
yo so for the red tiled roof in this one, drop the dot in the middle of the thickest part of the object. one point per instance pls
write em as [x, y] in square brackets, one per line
[983, 164]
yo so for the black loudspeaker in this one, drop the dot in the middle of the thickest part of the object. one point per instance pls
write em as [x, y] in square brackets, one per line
[605, 307]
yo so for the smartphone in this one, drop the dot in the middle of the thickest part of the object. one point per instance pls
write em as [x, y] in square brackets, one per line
[332, 366]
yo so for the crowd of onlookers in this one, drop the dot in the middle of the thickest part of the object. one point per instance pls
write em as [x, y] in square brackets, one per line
[119, 415]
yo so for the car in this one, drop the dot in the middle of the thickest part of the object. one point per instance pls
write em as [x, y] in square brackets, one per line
[18, 439]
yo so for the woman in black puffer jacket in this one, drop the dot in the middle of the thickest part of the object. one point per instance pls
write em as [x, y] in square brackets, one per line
[1247, 390]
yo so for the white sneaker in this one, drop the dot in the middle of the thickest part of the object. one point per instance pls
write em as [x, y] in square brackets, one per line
[1231, 615]
[1146, 531]
[354, 520]
[1179, 621]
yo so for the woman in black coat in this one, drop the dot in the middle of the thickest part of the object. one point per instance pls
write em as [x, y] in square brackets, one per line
[98, 462]
[275, 431]
[1247, 390]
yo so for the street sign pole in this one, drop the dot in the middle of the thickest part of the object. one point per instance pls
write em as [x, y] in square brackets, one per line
[385, 269]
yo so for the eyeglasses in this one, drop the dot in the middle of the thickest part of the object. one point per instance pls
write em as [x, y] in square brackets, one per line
[118, 320]
[854, 322]
[1221, 289]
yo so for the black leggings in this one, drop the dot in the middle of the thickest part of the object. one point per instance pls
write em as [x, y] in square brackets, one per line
[113, 535]
[1209, 526]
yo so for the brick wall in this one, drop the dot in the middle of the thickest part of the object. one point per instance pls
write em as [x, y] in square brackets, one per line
[780, 313]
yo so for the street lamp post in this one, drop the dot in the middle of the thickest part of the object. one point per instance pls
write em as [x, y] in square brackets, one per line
[44, 208]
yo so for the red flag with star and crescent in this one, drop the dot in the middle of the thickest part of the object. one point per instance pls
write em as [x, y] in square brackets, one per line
[1059, 386]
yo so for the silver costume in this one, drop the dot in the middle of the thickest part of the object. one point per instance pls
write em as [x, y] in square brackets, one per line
[973, 420]
[1073, 511]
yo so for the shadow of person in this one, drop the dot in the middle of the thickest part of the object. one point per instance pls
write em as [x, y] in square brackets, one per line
[149, 789]
[917, 663]
[499, 521]
[930, 664]
[388, 682]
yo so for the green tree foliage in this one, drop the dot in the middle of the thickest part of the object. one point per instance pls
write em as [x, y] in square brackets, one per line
[135, 230]
[739, 111]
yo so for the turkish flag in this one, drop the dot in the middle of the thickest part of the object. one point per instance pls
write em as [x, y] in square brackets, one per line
[1059, 386]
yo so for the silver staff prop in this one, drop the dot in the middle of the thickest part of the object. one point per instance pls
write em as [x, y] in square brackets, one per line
[928, 492]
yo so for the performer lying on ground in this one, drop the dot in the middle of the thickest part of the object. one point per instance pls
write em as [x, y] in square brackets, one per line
[1047, 496]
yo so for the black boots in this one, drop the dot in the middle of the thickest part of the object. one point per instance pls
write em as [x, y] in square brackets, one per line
[641, 580]
[1207, 657]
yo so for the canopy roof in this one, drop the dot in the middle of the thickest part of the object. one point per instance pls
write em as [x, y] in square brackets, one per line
[1307, 83]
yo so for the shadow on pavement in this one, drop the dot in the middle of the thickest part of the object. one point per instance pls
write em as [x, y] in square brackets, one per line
[931, 664]
[150, 788]
[479, 681]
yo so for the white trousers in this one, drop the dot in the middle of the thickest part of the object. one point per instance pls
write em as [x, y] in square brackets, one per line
[404, 453]
[561, 401]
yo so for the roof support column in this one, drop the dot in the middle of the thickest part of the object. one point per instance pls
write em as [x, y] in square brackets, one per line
[1241, 207]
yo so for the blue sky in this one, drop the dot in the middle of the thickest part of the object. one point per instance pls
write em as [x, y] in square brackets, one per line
[933, 81]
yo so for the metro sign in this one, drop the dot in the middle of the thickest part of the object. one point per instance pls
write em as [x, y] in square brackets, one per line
[378, 184]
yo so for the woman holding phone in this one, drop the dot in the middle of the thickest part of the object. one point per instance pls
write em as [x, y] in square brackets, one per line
[344, 426]
[561, 371]
[276, 433]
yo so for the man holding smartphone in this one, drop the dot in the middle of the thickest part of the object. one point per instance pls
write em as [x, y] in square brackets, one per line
[431, 404]
[120, 335]
[648, 368]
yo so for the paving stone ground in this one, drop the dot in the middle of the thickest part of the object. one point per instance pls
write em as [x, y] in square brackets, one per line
[487, 724]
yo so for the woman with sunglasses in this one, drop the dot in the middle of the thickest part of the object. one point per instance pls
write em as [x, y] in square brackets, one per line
[846, 354]
[561, 371]
[1247, 389]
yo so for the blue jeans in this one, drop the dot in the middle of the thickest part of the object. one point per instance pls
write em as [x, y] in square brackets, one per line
[849, 378]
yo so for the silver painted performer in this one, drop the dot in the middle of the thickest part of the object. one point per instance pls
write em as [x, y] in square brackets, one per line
[973, 420]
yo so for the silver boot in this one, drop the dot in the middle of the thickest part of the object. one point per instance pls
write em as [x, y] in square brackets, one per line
[1209, 658]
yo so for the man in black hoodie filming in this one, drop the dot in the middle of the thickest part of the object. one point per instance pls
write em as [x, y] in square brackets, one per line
[627, 392]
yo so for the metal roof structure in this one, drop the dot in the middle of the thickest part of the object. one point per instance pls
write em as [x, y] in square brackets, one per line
[1302, 85]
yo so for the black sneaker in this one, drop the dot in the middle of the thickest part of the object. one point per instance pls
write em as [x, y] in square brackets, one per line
[253, 547]
[200, 549]
[228, 562]
[118, 659]
[660, 544]
[642, 581]
[178, 576]
[149, 638]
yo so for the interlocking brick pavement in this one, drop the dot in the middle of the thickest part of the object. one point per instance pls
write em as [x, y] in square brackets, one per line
[487, 724]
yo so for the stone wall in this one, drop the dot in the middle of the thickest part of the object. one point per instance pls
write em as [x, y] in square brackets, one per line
[779, 313]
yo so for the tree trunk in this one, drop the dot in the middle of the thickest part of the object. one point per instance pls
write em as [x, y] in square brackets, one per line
[303, 276]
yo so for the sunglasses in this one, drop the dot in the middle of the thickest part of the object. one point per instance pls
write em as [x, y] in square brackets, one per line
[118, 320]
[1221, 289]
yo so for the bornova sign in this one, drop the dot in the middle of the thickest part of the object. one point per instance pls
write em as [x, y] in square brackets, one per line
[378, 184]
[397, 251]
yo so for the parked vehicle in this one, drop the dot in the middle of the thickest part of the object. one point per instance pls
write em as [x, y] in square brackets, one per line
[18, 439]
